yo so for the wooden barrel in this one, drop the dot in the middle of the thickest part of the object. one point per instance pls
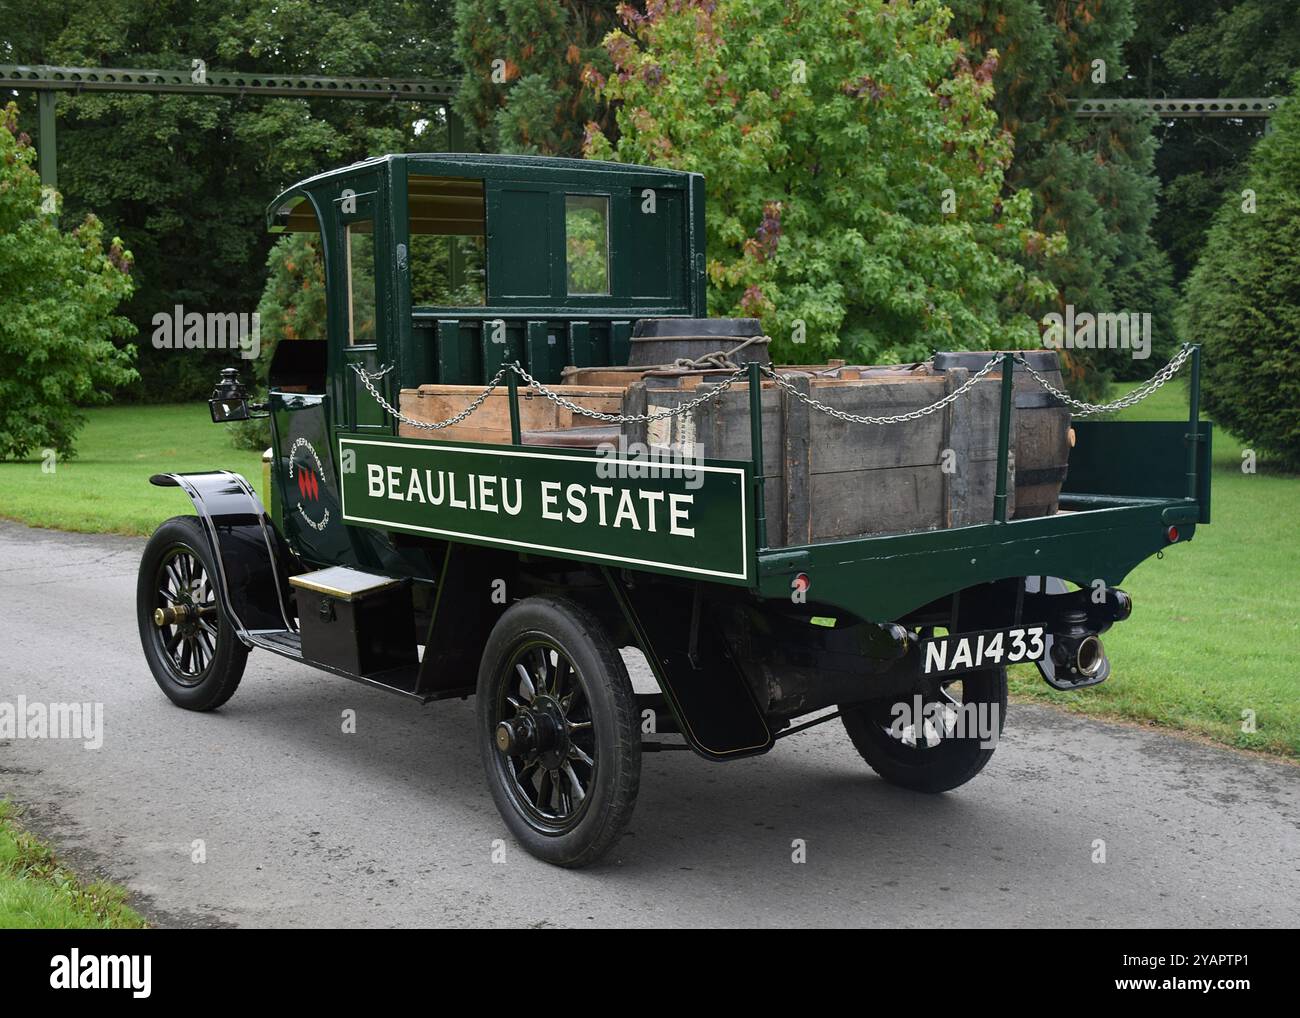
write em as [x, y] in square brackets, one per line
[1042, 438]
[664, 340]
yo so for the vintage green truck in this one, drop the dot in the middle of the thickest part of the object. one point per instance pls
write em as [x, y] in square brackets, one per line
[451, 506]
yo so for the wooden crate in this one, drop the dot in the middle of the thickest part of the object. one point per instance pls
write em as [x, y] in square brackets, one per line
[827, 478]
[491, 421]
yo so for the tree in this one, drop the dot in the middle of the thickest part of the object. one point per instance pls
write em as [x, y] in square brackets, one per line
[1243, 299]
[1193, 49]
[186, 179]
[854, 170]
[58, 295]
[523, 63]
[1093, 181]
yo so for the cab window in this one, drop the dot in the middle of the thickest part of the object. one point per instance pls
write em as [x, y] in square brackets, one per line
[447, 236]
[586, 244]
[360, 252]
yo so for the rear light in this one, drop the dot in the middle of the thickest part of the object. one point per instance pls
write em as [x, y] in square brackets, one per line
[801, 583]
[1172, 534]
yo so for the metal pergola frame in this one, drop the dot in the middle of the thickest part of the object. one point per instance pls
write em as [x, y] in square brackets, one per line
[48, 80]
[1225, 109]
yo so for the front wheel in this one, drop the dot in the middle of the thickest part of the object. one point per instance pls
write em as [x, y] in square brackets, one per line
[191, 647]
[936, 740]
[558, 730]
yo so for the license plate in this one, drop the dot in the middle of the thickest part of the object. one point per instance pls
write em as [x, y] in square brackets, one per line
[964, 652]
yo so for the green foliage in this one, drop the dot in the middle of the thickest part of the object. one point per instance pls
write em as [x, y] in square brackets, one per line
[543, 47]
[1189, 48]
[1092, 181]
[1243, 299]
[185, 180]
[38, 891]
[59, 292]
[829, 142]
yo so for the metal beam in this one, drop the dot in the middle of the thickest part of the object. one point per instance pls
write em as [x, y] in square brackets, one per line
[44, 77]
[1165, 108]
[46, 154]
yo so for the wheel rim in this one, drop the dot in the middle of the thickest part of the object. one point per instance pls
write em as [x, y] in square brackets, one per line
[185, 627]
[935, 729]
[546, 746]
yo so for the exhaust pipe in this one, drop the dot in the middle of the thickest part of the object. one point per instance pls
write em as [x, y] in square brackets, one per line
[1077, 653]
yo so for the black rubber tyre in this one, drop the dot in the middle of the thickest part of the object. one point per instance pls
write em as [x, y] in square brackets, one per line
[937, 761]
[564, 768]
[199, 661]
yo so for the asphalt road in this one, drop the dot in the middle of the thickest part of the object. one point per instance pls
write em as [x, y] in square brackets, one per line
[303, 825]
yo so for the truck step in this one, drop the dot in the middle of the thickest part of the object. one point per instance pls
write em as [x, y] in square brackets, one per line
[343, 583]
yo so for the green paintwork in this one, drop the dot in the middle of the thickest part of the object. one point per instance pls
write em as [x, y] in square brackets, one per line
[1128, 482]
[656, 266]
[667, 521]
[1140, 459]
[882, 578]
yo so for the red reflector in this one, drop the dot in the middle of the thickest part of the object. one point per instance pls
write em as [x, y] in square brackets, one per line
[801, 582]
[1172, 534]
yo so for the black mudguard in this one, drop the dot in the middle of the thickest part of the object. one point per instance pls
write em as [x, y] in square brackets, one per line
[709, 695]
[253, 561]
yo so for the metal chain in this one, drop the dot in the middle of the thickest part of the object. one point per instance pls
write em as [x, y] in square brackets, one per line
[1132, 399]
[911, 415]
[366, 377]
[558, 400]
[1082, 409]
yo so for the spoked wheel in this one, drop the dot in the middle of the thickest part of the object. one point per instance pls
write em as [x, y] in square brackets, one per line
[558, 731]
[943, 746]
[191, 648]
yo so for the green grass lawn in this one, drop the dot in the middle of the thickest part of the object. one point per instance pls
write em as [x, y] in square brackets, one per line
[106, 488]
[39, 892]
[1215, 630]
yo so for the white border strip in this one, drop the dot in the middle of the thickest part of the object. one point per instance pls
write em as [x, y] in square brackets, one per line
[503, 451]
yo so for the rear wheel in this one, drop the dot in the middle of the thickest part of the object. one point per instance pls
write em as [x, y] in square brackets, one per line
[558, 730]
[945, 746]
[192, 650]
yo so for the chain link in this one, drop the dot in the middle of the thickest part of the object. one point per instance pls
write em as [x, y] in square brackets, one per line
[366, 379]
[911, 415]
[558, 400]
[1083, 409]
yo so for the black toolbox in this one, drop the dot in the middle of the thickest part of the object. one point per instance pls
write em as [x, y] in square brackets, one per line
[355, 622]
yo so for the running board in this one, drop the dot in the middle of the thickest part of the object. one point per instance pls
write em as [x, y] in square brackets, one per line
[402, 680]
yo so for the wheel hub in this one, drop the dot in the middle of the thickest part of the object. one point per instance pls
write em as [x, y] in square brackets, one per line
[538, 730]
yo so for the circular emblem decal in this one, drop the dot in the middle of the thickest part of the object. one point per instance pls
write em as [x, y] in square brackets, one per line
[307, 476]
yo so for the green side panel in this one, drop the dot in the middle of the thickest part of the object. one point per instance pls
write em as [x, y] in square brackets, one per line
[883, 578]
[497, 345]
[521, 244]
[1142, 459]
[573, 504]
[620, 342]
[581, 353]
[656, 255]
[544, 351]
[454, 368]
[422, 355]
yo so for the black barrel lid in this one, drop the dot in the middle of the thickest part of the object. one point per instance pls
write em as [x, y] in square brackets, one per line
[672, 328]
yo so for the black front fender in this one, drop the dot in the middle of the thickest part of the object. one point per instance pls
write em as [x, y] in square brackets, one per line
[253, 561]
